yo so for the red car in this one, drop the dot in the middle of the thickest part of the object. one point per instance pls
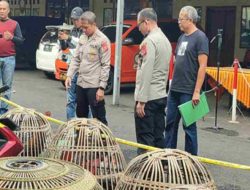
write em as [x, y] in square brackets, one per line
[61, 65]
[132, 38]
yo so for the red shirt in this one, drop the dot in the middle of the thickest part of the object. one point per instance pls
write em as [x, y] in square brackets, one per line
[7, 48]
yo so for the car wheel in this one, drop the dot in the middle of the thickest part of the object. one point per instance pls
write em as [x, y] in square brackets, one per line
[49, 75]
[110, 83]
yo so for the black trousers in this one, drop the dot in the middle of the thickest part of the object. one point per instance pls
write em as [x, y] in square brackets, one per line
[150, 128]
[86, 97]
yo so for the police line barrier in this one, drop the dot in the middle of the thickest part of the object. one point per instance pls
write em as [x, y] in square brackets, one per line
[150, 148]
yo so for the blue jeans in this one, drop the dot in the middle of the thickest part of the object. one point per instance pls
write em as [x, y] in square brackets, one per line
[71, 100]
[173, 118]
[7, 68]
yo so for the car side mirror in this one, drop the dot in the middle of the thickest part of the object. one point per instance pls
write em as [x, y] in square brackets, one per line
[128, 41]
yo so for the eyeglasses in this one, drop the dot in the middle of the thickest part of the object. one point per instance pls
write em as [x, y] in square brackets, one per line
[139, 24]
[181, 19]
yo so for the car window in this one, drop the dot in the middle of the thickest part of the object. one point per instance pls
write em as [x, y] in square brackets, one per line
[171, 30]
[110, 31]
[136, 35]
[50, 36]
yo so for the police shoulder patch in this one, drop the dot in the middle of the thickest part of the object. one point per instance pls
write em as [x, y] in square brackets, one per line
[143, 49]
[104, 46]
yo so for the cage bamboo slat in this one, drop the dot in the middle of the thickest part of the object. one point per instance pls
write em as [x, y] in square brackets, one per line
[27, 173]
[166, 169]
[90, 144]
[34, 132]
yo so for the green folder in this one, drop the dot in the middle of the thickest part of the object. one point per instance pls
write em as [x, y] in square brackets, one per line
[190, 113]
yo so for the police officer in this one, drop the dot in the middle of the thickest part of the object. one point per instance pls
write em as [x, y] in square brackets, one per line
[70, 40]
[92, 60]
[151, 81]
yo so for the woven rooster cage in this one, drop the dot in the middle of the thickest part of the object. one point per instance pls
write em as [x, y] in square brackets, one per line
[29, 173]
[34, 131]
[91, 145]
[166, 169]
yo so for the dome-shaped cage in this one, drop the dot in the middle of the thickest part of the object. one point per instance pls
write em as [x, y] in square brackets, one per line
[90, 144]
[34, 132]
[42, 174]
[166, 169]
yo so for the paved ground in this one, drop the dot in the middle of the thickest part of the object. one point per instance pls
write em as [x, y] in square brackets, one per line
[231, 144]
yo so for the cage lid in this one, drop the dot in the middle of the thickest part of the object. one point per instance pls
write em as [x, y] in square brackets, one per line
[42, 173]
[166, 169]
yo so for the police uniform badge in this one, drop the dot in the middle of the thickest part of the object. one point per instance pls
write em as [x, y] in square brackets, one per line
[140, 56]
[104, 46]
[143, 49]
[92, 54]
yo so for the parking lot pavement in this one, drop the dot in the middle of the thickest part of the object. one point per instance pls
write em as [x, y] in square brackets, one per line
[232, 143]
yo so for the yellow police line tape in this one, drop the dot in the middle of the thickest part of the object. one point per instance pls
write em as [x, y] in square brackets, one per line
[150, 148]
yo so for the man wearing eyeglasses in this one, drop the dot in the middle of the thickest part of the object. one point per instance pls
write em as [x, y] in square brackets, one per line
[190, 67]
[151, 81]
[92, 60]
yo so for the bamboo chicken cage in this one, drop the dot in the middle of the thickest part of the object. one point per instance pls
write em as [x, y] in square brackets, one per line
[27, 173]
[166, 169]
[34, 131]
[91, 145]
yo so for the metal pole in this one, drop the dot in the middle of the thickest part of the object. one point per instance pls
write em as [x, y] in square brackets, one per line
[234, 101]
[218, 74]
[118, 48]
